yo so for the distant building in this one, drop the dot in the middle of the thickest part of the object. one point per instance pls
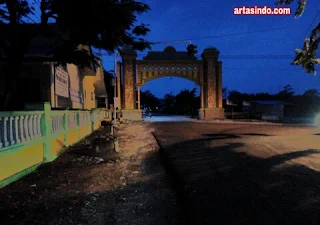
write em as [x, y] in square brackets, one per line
[232, 110]
[246, 106]
[268, 110]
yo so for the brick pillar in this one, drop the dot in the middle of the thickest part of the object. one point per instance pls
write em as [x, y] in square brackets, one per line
[210, 58]
[129, 79]
[212, 89]
[129, 95]
[205, 85]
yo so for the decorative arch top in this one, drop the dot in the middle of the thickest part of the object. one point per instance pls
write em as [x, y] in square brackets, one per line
[150, 71]
[169, 53]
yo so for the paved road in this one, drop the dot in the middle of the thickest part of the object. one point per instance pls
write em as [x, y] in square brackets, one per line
[166, 118]
[244, 174]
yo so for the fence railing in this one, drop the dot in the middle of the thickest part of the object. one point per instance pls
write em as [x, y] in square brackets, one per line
[34, 137]
[19, 127]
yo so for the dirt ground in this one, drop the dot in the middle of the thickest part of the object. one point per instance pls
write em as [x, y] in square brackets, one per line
[78, 189]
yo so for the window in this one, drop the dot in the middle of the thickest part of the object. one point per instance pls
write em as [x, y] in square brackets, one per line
[92, 96]
[62, 102]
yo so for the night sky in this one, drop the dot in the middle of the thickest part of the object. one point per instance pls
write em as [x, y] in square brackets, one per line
[210, 23]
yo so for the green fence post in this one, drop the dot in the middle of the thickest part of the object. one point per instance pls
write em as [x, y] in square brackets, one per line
[79, 124]
[65, 127]
[46, 127]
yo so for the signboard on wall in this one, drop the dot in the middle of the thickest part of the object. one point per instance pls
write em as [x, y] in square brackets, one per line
[75, 96]
[61, 82]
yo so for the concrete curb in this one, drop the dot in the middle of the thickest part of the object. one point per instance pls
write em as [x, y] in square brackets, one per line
[155, 143]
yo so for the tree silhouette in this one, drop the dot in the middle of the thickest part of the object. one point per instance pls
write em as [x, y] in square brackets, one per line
[149, 100]
[70, 26]
[286, 94]
[185, 101]
[169, 103]
[310, 102]
[306, 57]
[312, 93]
[224, 93]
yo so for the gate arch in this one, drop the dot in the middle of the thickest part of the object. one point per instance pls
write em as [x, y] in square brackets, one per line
[206, 73]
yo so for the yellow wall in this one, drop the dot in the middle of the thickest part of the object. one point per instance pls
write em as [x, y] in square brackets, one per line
[72, 136]
[88, 90]
[97, 125]
[81, 81]
[20, 161]
[15, 162]
[83, 131]
[89, 129]
[57, 144]
[75, 83]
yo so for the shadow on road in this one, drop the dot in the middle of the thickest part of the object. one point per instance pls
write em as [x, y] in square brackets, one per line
[222, 136]
[218, 185]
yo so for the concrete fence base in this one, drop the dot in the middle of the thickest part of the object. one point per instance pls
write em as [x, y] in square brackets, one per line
[31, 138]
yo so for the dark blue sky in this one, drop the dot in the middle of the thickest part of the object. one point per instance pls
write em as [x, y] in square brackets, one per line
[197, 20]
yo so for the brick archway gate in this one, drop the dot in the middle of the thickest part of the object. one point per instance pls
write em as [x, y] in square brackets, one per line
[206, 73]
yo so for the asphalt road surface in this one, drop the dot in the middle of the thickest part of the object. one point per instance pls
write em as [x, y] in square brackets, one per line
[243, 174]
[156, 117]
